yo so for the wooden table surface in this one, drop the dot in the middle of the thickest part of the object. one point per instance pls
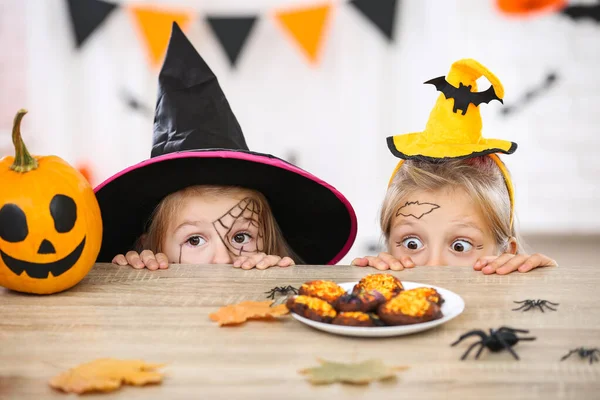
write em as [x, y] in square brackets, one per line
[162, 316]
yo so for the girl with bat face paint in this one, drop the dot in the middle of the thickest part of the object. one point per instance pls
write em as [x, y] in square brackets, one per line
[452, 213]
[450, 200]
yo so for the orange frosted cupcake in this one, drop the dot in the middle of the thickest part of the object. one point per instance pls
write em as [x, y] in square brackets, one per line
[312, 308]
[427, 293]
[356, 318]
[406, 309]
[324, 290]
[362, 301]
[386, 284]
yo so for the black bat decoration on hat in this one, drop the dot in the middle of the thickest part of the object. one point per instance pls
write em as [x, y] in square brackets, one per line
[462, 94]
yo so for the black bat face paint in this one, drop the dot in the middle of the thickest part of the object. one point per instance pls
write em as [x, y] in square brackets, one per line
[240, 229]
[416, 209]
[462, 94]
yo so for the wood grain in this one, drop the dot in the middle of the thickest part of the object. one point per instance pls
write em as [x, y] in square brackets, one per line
[162, 316]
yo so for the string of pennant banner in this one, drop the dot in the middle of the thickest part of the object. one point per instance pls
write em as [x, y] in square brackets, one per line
[305, 26]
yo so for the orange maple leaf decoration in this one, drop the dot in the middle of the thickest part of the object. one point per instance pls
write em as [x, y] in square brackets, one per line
[106, 375]
[234, 314]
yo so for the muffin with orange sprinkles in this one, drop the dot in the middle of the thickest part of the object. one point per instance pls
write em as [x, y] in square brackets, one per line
[428, 293]
[408, 308]
[311, 308]
[386, 284]
[324, 290]
[357, 318]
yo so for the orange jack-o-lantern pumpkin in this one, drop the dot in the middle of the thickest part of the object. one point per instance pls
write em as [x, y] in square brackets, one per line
[50, 222]
[529, 7]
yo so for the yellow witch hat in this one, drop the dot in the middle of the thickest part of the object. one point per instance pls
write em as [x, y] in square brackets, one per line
[454, 127]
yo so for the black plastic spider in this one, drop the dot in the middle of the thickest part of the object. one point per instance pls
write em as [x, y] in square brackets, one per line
[281, 290]
[497, 340]
[528, 304]
[592, 354]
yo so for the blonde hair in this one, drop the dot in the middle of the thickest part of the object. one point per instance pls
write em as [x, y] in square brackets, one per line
[274, 242]
[479, 177]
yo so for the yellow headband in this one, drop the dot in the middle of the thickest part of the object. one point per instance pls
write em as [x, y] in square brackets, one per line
[454, 127]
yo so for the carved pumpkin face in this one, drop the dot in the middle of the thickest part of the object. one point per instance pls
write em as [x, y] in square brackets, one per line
[50, 225]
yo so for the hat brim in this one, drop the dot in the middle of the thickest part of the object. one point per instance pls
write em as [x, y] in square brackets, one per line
[316, 220]
[409, 147]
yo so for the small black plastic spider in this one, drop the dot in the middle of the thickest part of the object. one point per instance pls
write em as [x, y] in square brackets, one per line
[592, 354]
[497, 340]
[528, 304]
[281, 290]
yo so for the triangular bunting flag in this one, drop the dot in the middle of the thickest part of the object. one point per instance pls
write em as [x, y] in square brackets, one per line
[86, 17]
[232, 33]
[306, 26]
[380, 12]
[155, 25]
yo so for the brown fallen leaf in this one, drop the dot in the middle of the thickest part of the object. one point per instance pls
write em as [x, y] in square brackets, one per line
[106, 375]
[234, 314]
[356, 373]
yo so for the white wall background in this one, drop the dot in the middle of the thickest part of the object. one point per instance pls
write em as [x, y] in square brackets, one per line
[336, 116]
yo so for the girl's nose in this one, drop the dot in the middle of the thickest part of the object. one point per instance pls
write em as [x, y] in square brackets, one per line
[222, 255]
[435, 260]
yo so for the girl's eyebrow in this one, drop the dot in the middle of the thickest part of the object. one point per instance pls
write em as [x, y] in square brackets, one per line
[189, 223]
[405, 221]
[466, 224]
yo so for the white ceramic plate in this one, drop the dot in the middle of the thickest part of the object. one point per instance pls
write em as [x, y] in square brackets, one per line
[453, 306]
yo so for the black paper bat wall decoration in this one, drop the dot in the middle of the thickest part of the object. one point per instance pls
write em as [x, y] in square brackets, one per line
[134, 104]
[462, 94]
[582, 11]
[531, 94]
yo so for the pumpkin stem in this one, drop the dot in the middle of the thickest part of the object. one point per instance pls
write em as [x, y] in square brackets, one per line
[24, 162]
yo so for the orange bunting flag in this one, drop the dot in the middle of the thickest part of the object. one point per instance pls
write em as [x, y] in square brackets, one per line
[306, 26]
[154, 26]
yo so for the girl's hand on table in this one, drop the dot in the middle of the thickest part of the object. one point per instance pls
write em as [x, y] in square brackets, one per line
[145, 259]
[262, 261]
[507, 263]
[384, 261]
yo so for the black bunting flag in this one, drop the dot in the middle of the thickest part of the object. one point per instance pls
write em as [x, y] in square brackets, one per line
[232, 33]
[87, 16]
[583, 11]
[382, 13]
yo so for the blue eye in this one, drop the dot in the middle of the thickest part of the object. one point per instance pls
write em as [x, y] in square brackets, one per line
[196, 241]
[461, 246]
[412, 243]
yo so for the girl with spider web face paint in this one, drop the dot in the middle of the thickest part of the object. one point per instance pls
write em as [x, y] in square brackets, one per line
[240, 231]
[212, 225]
[201, 197]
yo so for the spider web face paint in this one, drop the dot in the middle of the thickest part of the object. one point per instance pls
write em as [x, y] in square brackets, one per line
[240, 228]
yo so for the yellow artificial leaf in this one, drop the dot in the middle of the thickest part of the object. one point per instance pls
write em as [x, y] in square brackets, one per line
[234, 314]
[357, 373]
[106, 375]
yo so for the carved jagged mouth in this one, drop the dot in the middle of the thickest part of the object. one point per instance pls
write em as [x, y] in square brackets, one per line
[41, 270]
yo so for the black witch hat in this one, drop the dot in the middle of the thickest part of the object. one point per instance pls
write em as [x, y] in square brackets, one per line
[198, 141]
